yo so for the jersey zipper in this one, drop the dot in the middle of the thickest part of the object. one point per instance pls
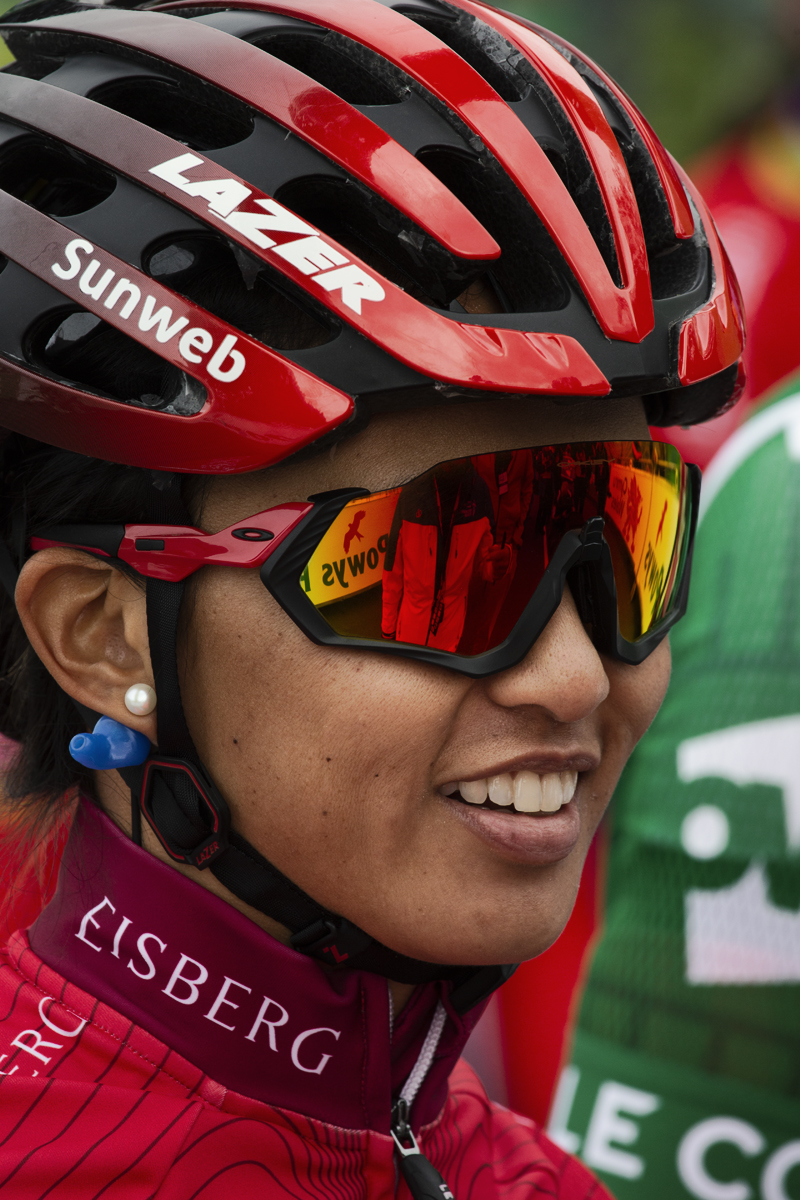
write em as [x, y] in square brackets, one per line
[424, 1181]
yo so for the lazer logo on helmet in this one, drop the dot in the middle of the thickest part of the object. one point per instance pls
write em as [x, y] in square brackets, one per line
[225, 364]
[308, 253]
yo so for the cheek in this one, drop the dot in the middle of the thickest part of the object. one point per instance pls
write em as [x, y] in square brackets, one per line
[634, 697]
[636, 694]
[298, 736]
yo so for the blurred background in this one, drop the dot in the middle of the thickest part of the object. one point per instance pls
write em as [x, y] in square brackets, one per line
[696, 68]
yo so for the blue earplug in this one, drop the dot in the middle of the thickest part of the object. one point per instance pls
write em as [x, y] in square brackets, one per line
[109, 745]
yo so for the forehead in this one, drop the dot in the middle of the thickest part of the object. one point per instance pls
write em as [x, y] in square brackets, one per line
[395, 447]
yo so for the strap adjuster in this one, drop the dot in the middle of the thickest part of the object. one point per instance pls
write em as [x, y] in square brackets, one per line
[214, 811]
[333, 940]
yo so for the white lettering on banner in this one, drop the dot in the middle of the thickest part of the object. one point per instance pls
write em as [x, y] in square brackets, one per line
[185, 986]
[271, 1025]
[324, 1060]
[695, 1146]
[609, 1123]
[759, 752]
[67, 1033]
[15, 1068]
[211, 1015]
[309, 253]
[226, 364]
[141, 946]
[773, 1180]
[192, 984]
[34, 1049]
[735, 934]
[557, 1128]
[89, 917]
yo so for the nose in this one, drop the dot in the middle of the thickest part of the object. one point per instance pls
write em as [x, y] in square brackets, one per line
[562, 673]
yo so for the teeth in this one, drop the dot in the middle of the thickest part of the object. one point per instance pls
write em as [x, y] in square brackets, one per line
[501, 790]
[475, 792]
[552, 793]
[527, 791]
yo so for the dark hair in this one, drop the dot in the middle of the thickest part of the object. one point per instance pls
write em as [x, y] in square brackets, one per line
[41, 486]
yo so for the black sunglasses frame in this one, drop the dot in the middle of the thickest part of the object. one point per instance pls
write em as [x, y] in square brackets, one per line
[583, 558]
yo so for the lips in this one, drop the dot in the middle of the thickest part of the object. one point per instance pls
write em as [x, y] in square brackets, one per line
[528, 816]
[536, 839]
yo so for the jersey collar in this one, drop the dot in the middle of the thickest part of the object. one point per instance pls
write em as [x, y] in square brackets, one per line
[253, 1014]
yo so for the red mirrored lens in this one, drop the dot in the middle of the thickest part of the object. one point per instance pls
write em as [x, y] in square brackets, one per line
[452, 559]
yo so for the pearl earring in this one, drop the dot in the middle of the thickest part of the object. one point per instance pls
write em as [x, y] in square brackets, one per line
[140, 699]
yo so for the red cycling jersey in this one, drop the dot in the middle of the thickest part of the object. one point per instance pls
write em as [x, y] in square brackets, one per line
[156, 1043]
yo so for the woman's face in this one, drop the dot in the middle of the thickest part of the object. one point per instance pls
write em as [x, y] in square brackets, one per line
[336, 762]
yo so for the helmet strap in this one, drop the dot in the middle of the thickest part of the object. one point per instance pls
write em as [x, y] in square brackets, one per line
[192, 820]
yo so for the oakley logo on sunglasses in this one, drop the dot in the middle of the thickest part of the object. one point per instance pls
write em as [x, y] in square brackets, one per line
[225, 363]
[308, 253]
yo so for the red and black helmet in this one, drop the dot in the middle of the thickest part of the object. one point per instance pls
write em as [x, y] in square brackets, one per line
[364, 166]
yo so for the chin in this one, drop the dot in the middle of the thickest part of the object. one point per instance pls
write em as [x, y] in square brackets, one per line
[483, 950]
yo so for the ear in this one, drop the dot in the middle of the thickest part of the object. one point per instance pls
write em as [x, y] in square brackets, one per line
[87, 622]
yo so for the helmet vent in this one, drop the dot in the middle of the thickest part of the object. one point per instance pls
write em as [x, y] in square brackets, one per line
[51, 178]
[237, 288]
[175, 110]
[519, 84]
[383, 237]
[677, 270]
[80, 348]
[352, 72]
[478, 44]
[575, 170]
[676, 266]
[528, 275]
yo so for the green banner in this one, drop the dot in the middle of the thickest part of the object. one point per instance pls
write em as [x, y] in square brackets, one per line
[686, 1075]
[652, 1128]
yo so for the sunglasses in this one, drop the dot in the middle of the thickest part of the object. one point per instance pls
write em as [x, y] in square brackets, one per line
[464, 565]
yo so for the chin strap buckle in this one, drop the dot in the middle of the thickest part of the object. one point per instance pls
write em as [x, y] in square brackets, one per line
[184, 809]
[333, 940]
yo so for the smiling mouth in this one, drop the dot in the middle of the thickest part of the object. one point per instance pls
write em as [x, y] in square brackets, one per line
[517, 791]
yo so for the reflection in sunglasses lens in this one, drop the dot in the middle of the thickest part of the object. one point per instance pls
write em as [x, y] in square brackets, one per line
[452, 559]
